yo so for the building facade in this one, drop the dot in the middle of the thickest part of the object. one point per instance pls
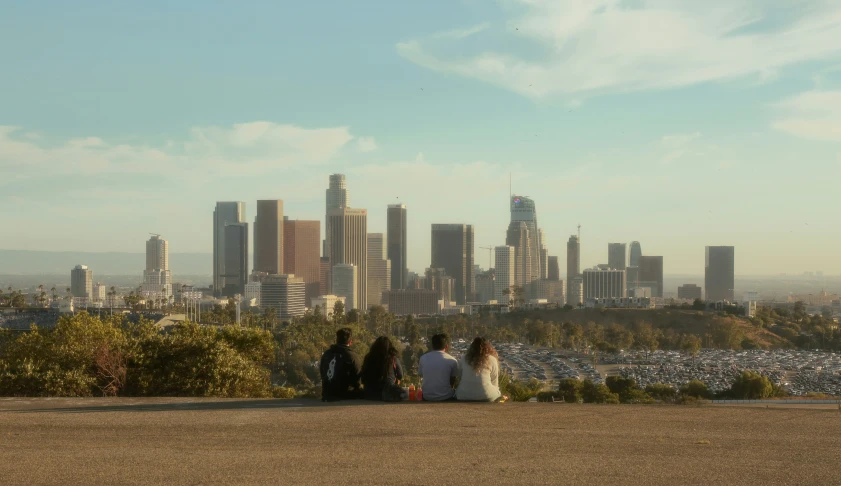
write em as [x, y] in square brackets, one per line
[616, 255]
[326, 304]
[225, 213]
[253, 291]
[346, 284]
[604, 284]
[285, 294]
[720, 273]
[81, 282]
[634, 254]
[268, 238]
[379, 269]
[519, 238]
[553, 291]
[337, 197]
[347, 243]
[157, 279]
[236, 259]
[650, 274]
[412, 302]
[157, 253]
[575, 291]
[553, 270]
[485, 286]
[689, 292]
[301, 241]
[505, 270]
[573, 270]
[397, 244]
[452, 250]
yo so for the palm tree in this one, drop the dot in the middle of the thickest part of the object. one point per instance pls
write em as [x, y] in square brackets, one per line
[55, 296]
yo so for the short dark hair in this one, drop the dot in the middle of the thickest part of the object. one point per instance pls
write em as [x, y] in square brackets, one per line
[440, 341]
[344, 335]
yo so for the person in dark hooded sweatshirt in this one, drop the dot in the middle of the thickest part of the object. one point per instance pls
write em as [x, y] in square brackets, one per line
[340, 369]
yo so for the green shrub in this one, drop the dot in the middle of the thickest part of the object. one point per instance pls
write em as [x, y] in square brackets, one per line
[570, 389]
[283, 392]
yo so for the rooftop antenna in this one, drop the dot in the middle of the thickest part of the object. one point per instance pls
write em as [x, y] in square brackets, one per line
[579, 232]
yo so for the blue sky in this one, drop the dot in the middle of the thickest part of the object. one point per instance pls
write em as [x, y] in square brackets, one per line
[673, 123]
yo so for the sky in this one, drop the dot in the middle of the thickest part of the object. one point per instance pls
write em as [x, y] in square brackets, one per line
[679, 124]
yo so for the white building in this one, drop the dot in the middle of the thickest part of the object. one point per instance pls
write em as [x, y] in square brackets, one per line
[326, 304]
[286, 294]
[620, 303]
[344, 284]
[575, 291]
[604, 284]
[100, 291]
[252, 291]
[505, 273]
[749, 302]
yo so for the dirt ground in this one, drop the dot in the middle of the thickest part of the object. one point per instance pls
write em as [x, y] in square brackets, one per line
[189, 441]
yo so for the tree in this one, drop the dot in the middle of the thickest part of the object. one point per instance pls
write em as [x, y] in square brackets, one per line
[751, 386]
[570, 389]
[339, 314]
[593, 393]
[659, 391]
[696, 389]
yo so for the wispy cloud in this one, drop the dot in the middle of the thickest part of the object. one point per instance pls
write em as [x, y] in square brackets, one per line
[366, 144]
[593, 46]
[814, 115]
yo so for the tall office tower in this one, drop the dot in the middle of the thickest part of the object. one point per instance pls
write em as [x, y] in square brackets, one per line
[523, 210]
[553, 270]
[573, 268]
[348, 244]
[225, 213]
[544, 254]
[518, 236]
[301, 254]
[336, 198]
[346, 284]
[284, 294]
[635, 254]
[397, 244]
[324, 278]
[268, 238]
[452, 250]
[720, 273]
[651, 274]
[236, 259]
[157, 279]
[604, 284]
[81, 282]
[689, 292]
[157, 253]
[616, 255]
[379, 269]
[505, 269]
[485, 283]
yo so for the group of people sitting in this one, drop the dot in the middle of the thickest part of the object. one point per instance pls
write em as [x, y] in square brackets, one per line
[344, 375]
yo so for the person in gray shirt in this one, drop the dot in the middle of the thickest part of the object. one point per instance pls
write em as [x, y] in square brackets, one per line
[438, 370]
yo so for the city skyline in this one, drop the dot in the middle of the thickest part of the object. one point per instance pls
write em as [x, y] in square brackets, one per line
[696, 141]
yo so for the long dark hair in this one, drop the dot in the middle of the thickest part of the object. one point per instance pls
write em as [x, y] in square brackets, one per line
[379, 360]
[478, 354]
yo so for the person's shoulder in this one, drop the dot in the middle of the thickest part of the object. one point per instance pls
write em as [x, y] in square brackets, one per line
[450, 357]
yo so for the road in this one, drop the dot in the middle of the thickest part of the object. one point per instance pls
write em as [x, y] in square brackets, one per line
[193, 441]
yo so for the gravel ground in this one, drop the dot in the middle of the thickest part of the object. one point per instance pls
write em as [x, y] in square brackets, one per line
[189, 441]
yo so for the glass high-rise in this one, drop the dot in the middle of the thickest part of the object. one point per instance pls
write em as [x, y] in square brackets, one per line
[228, 212]
[396, 245]
[452, 250]
[301, 254]
[720, 273]
[268, 237]
[616, 256]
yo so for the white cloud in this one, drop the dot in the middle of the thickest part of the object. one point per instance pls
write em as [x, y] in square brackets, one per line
[236, 150]
[814, 115]
[366, 144]
[592, 46]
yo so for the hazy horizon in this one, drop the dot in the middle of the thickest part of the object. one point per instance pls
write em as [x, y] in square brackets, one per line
[720, 127]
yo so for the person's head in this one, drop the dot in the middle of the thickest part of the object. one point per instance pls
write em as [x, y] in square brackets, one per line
[479, 353]
[440, 342]
[344, 336]
[379, 360]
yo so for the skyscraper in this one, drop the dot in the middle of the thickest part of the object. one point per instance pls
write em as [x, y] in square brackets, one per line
[236, 259]
[519, 237]
[379, 269]
[81, 282]
[616, 255]
[336, 198]
[505, 270]
[284, 294]
[636, 253]
[397, 244]
[224, 214]
[523, 210]
[268, 237]
[301, 254]
[485, 286]
[348, 244]
[452, 250]
[157, 279]
[544, 254]
[720, 273]
[157, 253]
[553, 270]
[346, 284]
[651, 274]
[573, 269]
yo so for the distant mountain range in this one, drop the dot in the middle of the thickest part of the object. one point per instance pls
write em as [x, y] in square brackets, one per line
[24, 262]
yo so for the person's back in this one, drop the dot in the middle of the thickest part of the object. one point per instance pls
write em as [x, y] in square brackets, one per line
[340, 368]
[438, 370]
[381, 371]
[479, 380]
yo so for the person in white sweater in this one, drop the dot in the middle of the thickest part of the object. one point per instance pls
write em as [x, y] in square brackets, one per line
[479, 373]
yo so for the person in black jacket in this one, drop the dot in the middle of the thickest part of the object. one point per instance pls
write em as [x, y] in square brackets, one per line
[382, 371]
[340, 369]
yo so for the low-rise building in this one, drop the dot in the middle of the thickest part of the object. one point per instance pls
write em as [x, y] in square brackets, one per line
[412, 302]
[326, 304]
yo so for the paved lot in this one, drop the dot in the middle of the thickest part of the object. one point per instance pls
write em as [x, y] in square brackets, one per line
[186, 441]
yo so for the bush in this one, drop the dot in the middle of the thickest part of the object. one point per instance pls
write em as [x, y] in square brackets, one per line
[696, 389]
[570, 389]
[519, 391]
[592, 393]
[549, 396]
[661, 392]
[753, 386]
[283, 392]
